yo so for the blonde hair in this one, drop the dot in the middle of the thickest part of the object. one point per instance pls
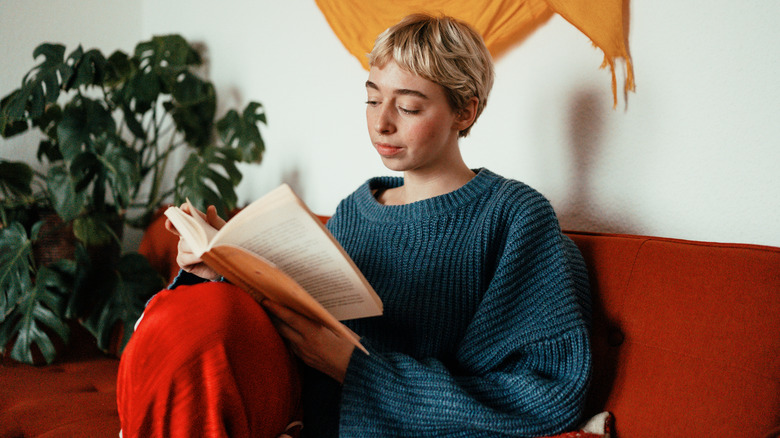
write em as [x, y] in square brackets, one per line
[443, 50]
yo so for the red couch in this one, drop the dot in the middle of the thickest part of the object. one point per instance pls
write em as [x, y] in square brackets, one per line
[686, 343]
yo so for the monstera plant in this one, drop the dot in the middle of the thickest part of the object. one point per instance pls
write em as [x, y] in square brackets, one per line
[113, 132]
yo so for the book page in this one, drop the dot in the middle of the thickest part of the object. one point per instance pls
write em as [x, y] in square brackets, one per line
[190, 229]
[195, 230]
[268, 202]
[292, 240]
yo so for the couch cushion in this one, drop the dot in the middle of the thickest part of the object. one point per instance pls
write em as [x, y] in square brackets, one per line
[686, 335]
[74, 397]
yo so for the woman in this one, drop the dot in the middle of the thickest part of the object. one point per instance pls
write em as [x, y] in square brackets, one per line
[486, 309]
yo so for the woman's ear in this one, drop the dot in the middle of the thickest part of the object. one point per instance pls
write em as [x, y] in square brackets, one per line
[467, 114]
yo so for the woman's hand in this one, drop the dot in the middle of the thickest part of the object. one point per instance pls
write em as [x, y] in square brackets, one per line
[186, 259]
[316, 345]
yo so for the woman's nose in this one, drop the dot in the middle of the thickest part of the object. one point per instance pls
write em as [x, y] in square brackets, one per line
[383, 122]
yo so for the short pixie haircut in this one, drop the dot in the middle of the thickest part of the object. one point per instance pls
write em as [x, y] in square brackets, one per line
[442, 50]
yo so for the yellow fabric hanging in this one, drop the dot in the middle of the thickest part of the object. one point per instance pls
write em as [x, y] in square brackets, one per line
[502, 23]
[605, 22]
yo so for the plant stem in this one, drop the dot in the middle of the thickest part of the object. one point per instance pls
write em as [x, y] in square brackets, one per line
[160, 161]
[99, 193]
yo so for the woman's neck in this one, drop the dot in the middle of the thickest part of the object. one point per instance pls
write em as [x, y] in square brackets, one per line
[420, 185]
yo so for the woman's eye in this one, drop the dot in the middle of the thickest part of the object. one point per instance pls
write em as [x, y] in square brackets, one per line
[408, 111]
[372, 102]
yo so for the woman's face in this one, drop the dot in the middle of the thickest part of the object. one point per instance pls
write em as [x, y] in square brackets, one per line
[410, 121]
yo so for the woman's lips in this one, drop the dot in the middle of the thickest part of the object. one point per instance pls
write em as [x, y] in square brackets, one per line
[387, 150]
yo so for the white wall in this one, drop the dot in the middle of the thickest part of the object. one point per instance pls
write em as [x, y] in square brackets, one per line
[694, 155]
[105, 24]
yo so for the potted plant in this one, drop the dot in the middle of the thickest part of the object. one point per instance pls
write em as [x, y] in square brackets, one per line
[111, 127]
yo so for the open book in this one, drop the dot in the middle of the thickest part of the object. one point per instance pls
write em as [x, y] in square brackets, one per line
[277, 249]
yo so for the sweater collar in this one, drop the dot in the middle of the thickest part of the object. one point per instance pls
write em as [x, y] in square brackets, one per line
[373, 210]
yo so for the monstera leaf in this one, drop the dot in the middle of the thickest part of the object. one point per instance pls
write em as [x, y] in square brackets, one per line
[35, 317]
[166, 55]
[209, 178]
[66, 200]
[120, 165]
[32, 311]
[242, 133]
[97, 229]
[192, 109]
[40, 86]
[157, 66]
[83, 120]
[15, 272]
[10, 126]
[121, 299]
[15, 178]
[89, 68]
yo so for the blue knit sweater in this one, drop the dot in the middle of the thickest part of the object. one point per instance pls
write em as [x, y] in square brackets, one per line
[485, 325]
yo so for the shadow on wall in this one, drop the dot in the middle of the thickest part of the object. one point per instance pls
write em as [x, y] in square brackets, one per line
[584, 210]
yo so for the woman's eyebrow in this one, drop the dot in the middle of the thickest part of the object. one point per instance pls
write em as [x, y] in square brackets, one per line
[400, 91]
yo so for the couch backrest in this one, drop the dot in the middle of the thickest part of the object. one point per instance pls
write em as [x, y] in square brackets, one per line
[160, 246]
[686, 336]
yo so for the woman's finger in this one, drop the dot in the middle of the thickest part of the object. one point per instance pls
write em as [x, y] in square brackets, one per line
[213, 218]
[289, 317]
[191, 210]
[169, 226]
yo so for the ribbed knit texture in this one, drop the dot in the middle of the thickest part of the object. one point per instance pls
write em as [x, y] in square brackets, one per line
[485, 328]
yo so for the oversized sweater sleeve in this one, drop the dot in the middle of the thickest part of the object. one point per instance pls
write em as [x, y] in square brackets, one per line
[522, 368]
